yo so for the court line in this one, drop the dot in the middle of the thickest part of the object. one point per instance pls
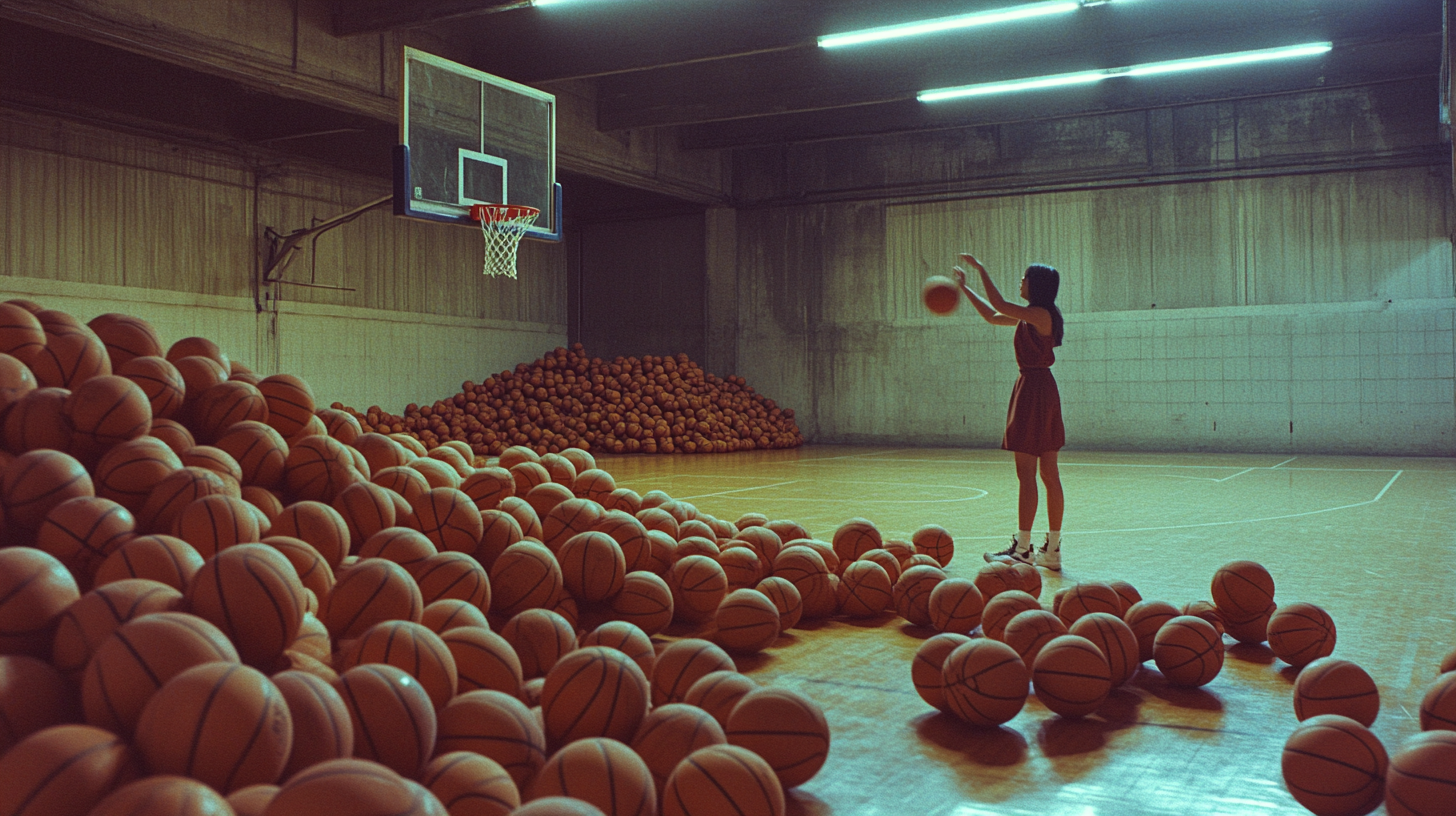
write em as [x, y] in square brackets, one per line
[1064, 464]
[820, 499]
[742, 489]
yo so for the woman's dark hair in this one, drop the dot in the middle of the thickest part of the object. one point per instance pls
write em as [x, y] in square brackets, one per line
[1042, 283]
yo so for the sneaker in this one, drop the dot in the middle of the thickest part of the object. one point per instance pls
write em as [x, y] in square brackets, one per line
[1049, 559]
[1011, 555]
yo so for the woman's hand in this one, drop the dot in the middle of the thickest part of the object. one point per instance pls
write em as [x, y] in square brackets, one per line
[960, 276]
[975, 264]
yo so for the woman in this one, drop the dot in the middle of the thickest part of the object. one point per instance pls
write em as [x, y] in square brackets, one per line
[1034, 431]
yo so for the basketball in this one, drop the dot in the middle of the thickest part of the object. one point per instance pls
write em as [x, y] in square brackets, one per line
[1145, 618]
[1001, 609]
[748, 622]
[224, 405]
[33, 696]
[125, 337]
[681, 664]
[1116, 641]
[602, 772]
[448, 613]
[483, 660]
[784, 727]
[927, 670]
[655, 518]
[955, 606]
[393, 718]
[669, 733]
[160, 382]
[985, 682]
[487, 486]
[222, 724]
[499, 530]
[1127, 595]
[141, 655]
[313, 571]
[340, 425]
[1188, 651]
[935, 541]
[1438, 707]
[165, 559]
[765, 541]
[214, 523]
[344, 786]
[1028, 632]
[199, 347]
[1242, 589]
[1421, 778]
[254, 799]
[524, 576]
[645, 601]
[1300, 633]
[252, 593]
[497, 726]
[516, 454]
[69, 359]
[1329, 685]
[526, 475]
[696, 545]
[626, 638]
[995, 578]
[198, 374]
[864, 590]
[290, 403]
[624, 499]
[317, 468]
[1070, 676]
[718, 692]
[541, 638]
[313, 640]
[698, 586]
[854, 538]
[562, 471]
[127, 473]
[469, 784]
[940, 294]
[449, 519]
[722, 779]
[20, 332]
[106, 410]
[381, 452]
[1334, 765]
[912, 593]
[595, 691]
[90, 620]
[64, 770]
[83, 531]
[371, 591]
[405, 547]
[173, 493]
[1207, 611]
[887, 561]
[594, 484]
[405, 481]
[173, 434]
[37, 420]
[37, 481]
[258, 449]
[452, 575]
[592, 566]
[318, 524]
[413, 649]
[35, 589]
[1082, 598]
[164, 795]
[743, 568]
[786, 599]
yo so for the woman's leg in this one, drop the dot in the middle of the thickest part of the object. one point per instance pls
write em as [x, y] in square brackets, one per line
[1053, 481]
[1026, 501]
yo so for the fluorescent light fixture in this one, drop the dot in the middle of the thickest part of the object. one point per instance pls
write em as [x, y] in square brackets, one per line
[1145, 69]
[922, 27]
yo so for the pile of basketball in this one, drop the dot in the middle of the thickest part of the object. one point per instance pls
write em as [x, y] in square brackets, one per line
[210, 589]
[1097, 635]
[626, 405]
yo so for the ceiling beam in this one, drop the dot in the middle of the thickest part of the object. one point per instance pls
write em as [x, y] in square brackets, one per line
[354, 17]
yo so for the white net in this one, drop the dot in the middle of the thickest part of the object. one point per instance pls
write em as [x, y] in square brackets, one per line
[503, 226]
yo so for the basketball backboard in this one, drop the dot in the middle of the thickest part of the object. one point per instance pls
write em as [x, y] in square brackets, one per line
[467, 137]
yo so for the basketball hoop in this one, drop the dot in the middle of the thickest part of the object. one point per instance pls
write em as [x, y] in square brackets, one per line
[503, 226]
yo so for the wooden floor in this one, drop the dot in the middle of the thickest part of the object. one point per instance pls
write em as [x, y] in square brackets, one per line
[1369, 539]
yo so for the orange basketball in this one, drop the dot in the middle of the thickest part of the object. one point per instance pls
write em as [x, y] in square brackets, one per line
[570, 517]
[453, 575]
[35, 589]
[405, 547]
[784, 727]
[487, 486]
[449, 519]
[661, 552]
[718, 692]
[437, 473]
[69, 359]
[743, 568]
[341, 425]
[1127, 595]
[499, 530]
[64, 770]
[259, 451]
[290, 403]
[1329, 685]
[318, 524]
[681, 664]
[912, 593]
[469, 784]
[747, 621]
[786, 599]
[20, 332]
[1001, 609]
[595, 691]
[1334, 765]
[159, 381]
[592, 566]
[83, 531]
[624, 499]
[594, 484]
[940, 294]
[214, 523]
[645, 601]
[223, 405]
[1028, 632]
[317, 468]
[1116, 641]
[626, 638]
[497, 726]
[655, 518]
[864, 590]
[934, 541]
[722, 779]
[1300, 633]
[173, 493]
[38, 480]
[163, 795]
[106, 410]
[927, 670]
[985, 682]
[254, 799]
[414, 649]
[1071, 676]
[127, 473]
[671, 732]
[515, 454]
[371, 591]
[544, 497]
[525, 576]
[699, 585]
[1082, 598]
[886, 560]
[1242, 589]
[173, 433]
[200, 347]
[562, 471]
[448, 613]
[218, 461]
[33, 696]
[37, 420]
[696, 545]
[524, 514]
[995, 578]
[855, 537]
[381, 452]
[540, 637]
[125, 337]
[313, 571]
[252, 593]
[141, 655]
[1188, 651]
[198, 374]
[344, 786]
[165, 559]
[1438, 707]
[526, 475]
[483, 660]
[313, 641]
[602, 772]
[1421, 778]
[393, 718]
[222, 724]
[1145, 618]
[1207, 611]
[91, 619]
[1250, 630]
[955, 605]
[405, 481]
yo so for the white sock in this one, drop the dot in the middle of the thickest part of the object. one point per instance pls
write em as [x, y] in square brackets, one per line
[1054, 540]
[1023, 540]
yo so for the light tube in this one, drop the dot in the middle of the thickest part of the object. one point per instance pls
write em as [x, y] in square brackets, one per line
[922, 27]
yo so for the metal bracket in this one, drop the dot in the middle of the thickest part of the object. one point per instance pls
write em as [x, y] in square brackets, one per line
[283, 248]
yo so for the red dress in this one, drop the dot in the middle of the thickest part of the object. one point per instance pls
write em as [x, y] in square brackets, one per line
[1034, 418]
